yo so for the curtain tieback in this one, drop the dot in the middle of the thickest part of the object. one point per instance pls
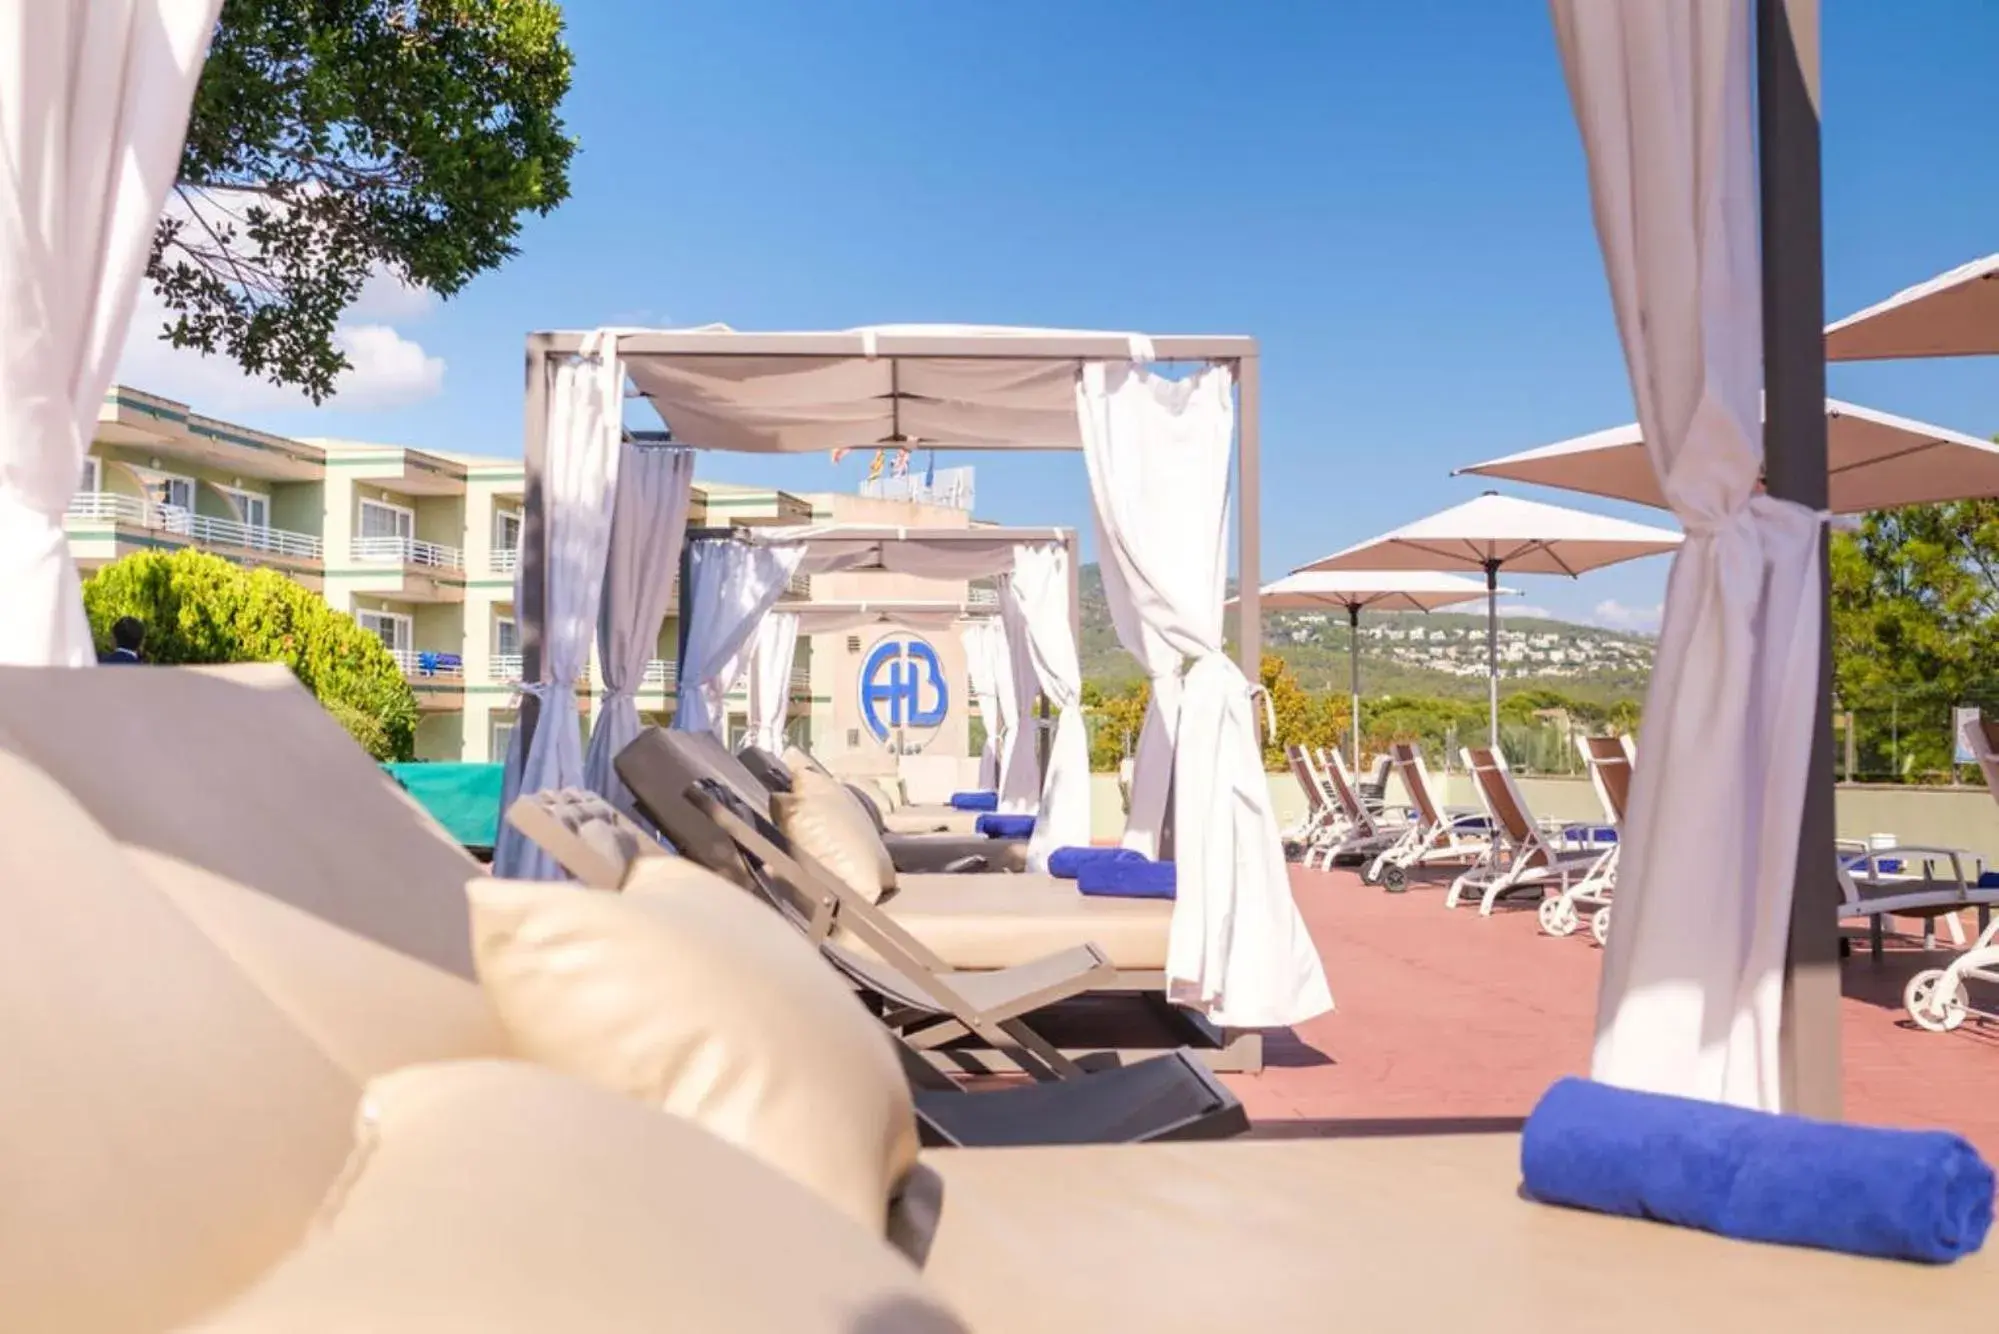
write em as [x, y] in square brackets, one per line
[1759, 510]
[1217, 661]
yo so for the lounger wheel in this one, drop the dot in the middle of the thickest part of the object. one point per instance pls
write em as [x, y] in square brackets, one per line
[1931, 1011]
[1370, 872]
[1558, 917]
[1394, 879]
[1599, 925]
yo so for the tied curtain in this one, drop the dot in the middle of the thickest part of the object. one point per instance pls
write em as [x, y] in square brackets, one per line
[732, 585]
[648, 521]
[773, 650]
[1157, 451]
[1691, 997]
[94, 105]
[1038, 594]
[983, 643]
[579, 490]
[1020, 762]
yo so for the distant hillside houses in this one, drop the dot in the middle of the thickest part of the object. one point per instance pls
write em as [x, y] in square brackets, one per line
[1458, 648]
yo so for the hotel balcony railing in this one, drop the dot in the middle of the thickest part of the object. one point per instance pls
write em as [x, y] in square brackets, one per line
[506, 667]
[425, 664]
[982, 597]
[407, 551]
[503, 559]
[116, 508]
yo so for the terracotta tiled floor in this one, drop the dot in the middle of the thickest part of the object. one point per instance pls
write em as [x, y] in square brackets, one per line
[1444, 1014]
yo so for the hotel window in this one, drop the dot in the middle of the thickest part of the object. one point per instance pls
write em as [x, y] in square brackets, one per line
[92, 479]
[379, 520]
[395, 631]
[503, 739]
[254, 508]
[175, 492]
[506, 637]
[506, 530]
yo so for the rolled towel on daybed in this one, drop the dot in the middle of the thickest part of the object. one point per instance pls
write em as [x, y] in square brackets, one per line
[975, 801]
[1005, 826]
[1129, 880]
[1066, 863]
[1899, 1194]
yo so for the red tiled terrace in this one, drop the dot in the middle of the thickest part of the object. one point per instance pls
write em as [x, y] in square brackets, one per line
[1443, 1014]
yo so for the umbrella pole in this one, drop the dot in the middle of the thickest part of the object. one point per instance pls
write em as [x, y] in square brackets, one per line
[1492, 653]
[1353, 661]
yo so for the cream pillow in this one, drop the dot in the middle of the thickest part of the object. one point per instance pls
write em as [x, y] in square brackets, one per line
[828, 824]
[508, 1199]
[689, 994]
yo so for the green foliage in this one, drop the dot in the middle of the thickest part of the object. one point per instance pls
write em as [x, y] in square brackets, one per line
[1915, 631]
[330, 138]
[199, 608]
[1115, 717]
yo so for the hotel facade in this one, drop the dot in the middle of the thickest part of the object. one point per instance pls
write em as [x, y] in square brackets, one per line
[419, 547]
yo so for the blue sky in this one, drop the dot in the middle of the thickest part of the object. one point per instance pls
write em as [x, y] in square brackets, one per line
[1390, 197]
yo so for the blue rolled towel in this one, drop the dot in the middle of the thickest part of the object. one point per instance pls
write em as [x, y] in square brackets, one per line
[1899, 1194]
[1129, 880]
[1064, 863]
[975, 801]
[1005, 826]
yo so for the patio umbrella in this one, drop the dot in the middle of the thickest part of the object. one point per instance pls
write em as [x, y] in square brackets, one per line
[1875, 460]
[1356, 590]
[1954, 314]
[1496, 532]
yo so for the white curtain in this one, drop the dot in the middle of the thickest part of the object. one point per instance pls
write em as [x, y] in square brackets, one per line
[579, 487]
[1692, 983]
[1039, 593]
[773, 650]
[1020, 762]
[732, 586]
[93, 108]
[648, 521]
[983, 643]
[1158, 458]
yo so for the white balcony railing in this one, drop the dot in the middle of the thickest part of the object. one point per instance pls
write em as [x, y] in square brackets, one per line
[981, 597]
[115, 508]
[407, 551]
[939, 486]
[663, 673]
[503, 559]
[799, 586]
[506, 667]
[425, 664]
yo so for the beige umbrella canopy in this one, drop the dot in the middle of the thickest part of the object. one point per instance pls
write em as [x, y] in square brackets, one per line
[1496, 532]
[1357, 590]
[1875, 460]
[1954, 314]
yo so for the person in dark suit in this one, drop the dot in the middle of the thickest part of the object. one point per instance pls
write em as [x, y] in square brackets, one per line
[128, 636]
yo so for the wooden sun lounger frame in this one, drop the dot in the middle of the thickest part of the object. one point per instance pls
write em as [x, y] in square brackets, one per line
[1433, 838]
[1521, 856]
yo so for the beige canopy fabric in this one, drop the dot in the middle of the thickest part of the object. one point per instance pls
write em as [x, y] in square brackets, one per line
[1876, 460]
[942, 553]
[945, 386]
[1954, 314]
[1355, 591]
[1496, 531]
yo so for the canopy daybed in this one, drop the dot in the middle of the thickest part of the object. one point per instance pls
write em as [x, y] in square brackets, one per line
[1004, 664]
[1157, 448]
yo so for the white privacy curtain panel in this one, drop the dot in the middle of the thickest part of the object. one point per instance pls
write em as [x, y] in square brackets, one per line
[93, 108]
[983, 641]
[773, 649]
[579, 488]
[1020, 761]
[1158, 456]
[1039, 592]
[1692, 980]
[732, 585]
[648, 521]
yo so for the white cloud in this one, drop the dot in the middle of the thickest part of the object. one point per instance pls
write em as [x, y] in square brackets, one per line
[386, 299]
[385, 368]
[1614, 615]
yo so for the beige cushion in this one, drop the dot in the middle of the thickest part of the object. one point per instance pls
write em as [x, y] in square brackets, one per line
[691, 995]
[825, 822]
[796, 759]
[507, 1199]
[168, 1129]
[1314, 1234]
[934, 820]
[997, 921]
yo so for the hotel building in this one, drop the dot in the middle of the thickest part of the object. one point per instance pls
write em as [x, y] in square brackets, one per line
[419, 547]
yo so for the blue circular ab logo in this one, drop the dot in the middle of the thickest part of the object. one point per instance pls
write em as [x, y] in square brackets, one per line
[903, 694]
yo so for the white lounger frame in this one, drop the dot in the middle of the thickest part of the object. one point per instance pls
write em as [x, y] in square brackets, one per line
[1521, 855]
[1562, 914]
[1436, 836]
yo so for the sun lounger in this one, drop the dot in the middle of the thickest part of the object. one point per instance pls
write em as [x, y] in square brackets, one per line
[1364, 829]
[1435, 836]
[1520, 856]
[1323, 818]
[1926, 883]
[1609, 761]
[760, 772]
